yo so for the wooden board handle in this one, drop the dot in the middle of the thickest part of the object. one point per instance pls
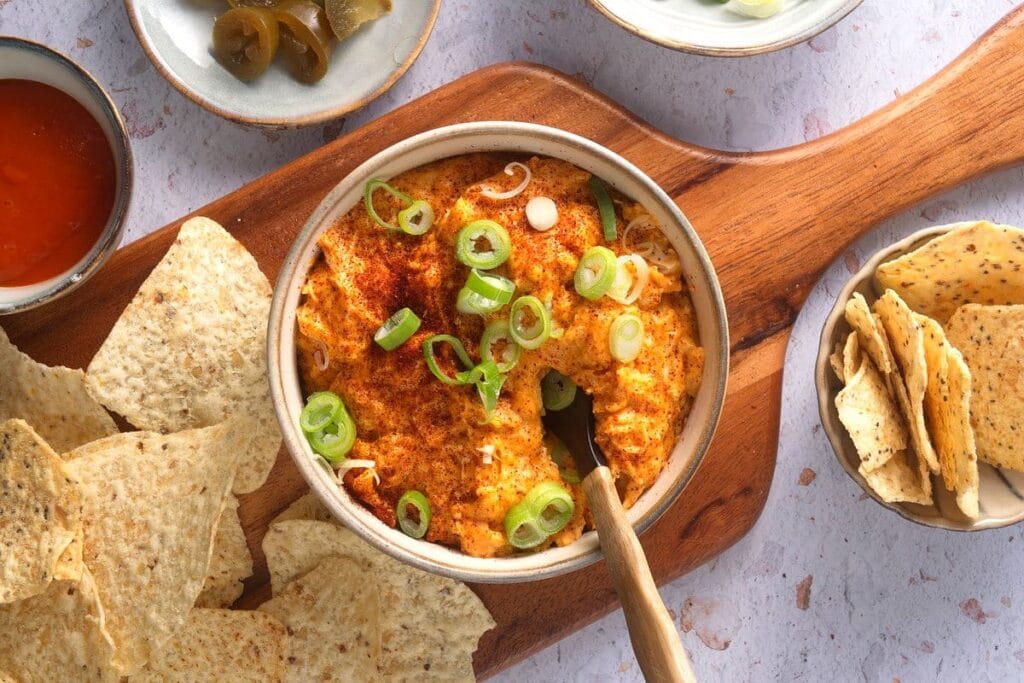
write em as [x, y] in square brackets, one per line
[657, 646]
[792, 211]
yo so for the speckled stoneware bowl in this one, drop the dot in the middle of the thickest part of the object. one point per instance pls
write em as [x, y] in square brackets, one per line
[177, 36]
[24, 59]
[520, 138]
[1001, 500]
[708, 27]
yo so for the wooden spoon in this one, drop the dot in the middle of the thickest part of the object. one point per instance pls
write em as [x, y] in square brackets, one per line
[656, 643]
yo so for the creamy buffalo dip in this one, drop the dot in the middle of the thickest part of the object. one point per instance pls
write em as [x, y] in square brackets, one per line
[456, 304]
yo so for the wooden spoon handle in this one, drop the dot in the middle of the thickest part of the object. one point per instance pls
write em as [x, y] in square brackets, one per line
[655, 641]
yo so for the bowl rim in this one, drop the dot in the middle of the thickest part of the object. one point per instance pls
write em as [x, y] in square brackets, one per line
[709, 51]
[295, 268]
[826, 398]
[276, 122]
[110, 238]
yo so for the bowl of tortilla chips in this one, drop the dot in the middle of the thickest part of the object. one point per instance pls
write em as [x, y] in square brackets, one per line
[919, 376]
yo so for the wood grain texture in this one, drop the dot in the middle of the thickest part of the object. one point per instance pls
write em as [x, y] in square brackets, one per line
[771, 222]
[652, 632]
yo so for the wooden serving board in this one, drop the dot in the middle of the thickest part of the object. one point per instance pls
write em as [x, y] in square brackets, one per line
[771, 222]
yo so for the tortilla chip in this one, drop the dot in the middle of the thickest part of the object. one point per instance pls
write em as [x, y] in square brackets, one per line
[991, 339]
[947, 412]
[898, 480]
[231, 562]
[189, 350]
[305, 507]
[851, 357]
[977, 263]
[871, 336]
[55, 401]
[430, 623]
[150, 505]
[221, 645]
[836, 362]
[333, 616]
[56, 636]
[70, 566]
[907, 344]
[40, 511]
[871, 417]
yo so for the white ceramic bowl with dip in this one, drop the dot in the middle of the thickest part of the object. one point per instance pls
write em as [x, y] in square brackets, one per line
[519, 138]
[23, 59]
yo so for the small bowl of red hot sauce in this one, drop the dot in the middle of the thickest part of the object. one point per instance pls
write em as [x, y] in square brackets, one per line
[65, 175]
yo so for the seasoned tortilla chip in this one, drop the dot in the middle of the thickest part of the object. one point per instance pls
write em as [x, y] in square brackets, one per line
[871, 417]
[947, 409]
[871, 337]
[333, 616]
[56, 636]
[977, 263]
[54, 401]
[150, 505]
[924, 478]
[851, 357]
[40, 512]
[220, 645]
[231, 562]
[430, 624]
[70, 566]
[898, 480]
[189, 350]
[907, 343]
[307, 506]
[836, 362]
[991, 339]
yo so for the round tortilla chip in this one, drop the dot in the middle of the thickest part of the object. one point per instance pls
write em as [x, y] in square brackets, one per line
[40, 512]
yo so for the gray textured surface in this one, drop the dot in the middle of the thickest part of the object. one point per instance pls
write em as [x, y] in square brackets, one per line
[888, 599]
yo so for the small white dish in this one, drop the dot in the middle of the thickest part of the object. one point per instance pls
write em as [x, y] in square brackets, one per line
[177, 36]
[709, 27]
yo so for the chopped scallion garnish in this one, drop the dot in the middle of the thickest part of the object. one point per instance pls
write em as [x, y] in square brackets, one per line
[397, 329]
[483, 244]
[497, 344]
[413, 513]
[595, 273]
[529, 322]
[625, 337]
[605, 207]
[557, 390]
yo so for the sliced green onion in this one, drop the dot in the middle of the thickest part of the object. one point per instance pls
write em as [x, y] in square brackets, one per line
[320, 410]
[488, 385]
[497, 345]
[372, 187]
[522, 529]
[552, 505]
[604, 207]
[460, 352]
[560, 456]
[336, 439]
[625, 337]
[397, 329]
[471, 303]
[416, 218]
[758, 9]
[529, 322]
[483, 244]
[557, 390]
[413, 513]
[595, 273]
[491, 286]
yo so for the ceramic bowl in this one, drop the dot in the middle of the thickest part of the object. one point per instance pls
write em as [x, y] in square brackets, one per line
[177, 36]
[519, 138]
[1001, 501]
[708, 27]
[24, 59]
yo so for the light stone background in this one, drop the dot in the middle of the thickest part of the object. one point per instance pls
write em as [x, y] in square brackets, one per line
[888, 599]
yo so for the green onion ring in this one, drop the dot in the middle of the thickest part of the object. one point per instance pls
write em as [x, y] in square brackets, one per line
[625, 337]
[460, 351]
[416, 528]
[371, 187]
[471, 303]
[397, 329]
[488, 385]
[604, 207]
[491, 286]
[557, 390]
[321, 409]
[336, 440]
[595, 273]
[417, 218]
[494, 333]
[521, 528]
[499, 245]
[529, 335]
[552, 506]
